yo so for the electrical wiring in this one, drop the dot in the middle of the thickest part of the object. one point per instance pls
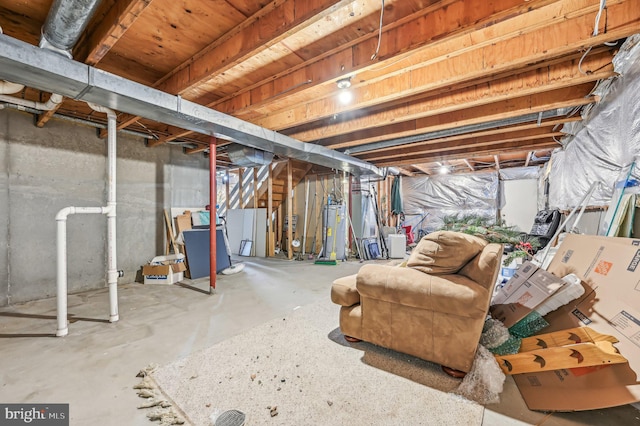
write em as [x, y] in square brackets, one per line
[375, 54]
[595, 33]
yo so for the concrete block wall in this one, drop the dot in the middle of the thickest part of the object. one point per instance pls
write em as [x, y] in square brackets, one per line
[64, 164]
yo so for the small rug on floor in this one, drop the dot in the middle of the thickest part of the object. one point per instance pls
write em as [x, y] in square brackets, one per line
[299, 370]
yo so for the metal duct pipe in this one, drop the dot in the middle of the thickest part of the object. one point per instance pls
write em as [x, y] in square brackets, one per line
[65, 22]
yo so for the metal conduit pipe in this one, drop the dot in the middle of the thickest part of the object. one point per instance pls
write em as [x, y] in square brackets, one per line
[110, 210]
[65, 22]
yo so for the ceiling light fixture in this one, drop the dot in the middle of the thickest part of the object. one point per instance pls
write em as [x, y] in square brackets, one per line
[345, 96]
[344, 83]
[443, 170]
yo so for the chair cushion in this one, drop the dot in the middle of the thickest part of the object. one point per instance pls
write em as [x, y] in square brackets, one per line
[343, 291]
[444, 252]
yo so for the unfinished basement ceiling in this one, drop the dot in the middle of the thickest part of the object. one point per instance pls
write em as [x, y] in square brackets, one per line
[461, 84]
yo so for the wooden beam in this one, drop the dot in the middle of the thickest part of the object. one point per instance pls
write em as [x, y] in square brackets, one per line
[421, 168]
[97, 43]
[124, 120]
[430, 26]
[174, 133]
[526, 163]
[569, 97]
[506, 53]
[270, 25]
[467, 152]
[538, 80]
[508, 131]
[255, 188]
[496, 158]
[240, 189]
[469, 165]
[271, 237]
[195, 150]
[444, 146]
[405, 172]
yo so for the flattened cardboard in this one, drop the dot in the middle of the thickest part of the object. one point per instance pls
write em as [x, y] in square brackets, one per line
[523, 293]
[609, 269]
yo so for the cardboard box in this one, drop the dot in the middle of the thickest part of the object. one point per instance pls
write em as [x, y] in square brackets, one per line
[528, 288]
[610, 271]
[164, 269]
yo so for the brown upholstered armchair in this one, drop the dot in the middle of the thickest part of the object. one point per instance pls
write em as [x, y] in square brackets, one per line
[434, 308]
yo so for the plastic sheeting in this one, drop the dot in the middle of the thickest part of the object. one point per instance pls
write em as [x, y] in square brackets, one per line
[427, 199]
[608, 140]
[516, 173]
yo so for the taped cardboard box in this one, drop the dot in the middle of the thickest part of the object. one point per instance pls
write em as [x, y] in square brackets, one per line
[610, 272]
[529, 287]
[164, 269]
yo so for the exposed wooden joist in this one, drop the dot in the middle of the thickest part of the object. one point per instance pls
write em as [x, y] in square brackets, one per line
[569, 97]
[122, 15]
[268, 26]
[405, 172]
[512, 52]
[469, 165]
[422, 169]
[469, 152]
[174, 133]
[430, 27]
[415, 152]
[195, 150]
[92, 49]
[526, 163]
[539, 80]
[496, 158]
[508, 130]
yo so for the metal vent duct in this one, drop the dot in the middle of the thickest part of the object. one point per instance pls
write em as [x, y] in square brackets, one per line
[45, 70]
[246, 156]
[65, 22]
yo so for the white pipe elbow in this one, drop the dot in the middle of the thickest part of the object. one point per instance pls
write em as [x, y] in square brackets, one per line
[99, 108]
[63, 213]
[9, 88]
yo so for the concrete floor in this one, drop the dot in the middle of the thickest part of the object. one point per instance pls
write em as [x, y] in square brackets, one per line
[94, 367]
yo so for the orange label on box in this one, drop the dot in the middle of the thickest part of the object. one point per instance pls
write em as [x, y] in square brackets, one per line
[603, 267]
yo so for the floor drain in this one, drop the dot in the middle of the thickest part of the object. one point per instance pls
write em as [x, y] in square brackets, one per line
[230, 418]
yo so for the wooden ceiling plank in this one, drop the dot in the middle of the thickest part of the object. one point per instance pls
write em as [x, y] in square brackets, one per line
[97, 43]
[528, 83]
[513, 53]
[268, 26]
[563, 98]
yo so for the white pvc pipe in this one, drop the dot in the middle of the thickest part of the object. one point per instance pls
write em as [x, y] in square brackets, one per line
[53, 101]
[61, 279]
[110, 211]
[8, 88]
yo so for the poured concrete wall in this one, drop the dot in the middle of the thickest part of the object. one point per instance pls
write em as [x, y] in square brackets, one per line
[64, 164]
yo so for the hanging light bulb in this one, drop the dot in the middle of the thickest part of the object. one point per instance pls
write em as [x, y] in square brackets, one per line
[345, 96]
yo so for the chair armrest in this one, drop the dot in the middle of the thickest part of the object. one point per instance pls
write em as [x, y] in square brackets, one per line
[455, 294]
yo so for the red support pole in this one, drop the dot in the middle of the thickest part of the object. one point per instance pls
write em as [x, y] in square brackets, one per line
[213, 214]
